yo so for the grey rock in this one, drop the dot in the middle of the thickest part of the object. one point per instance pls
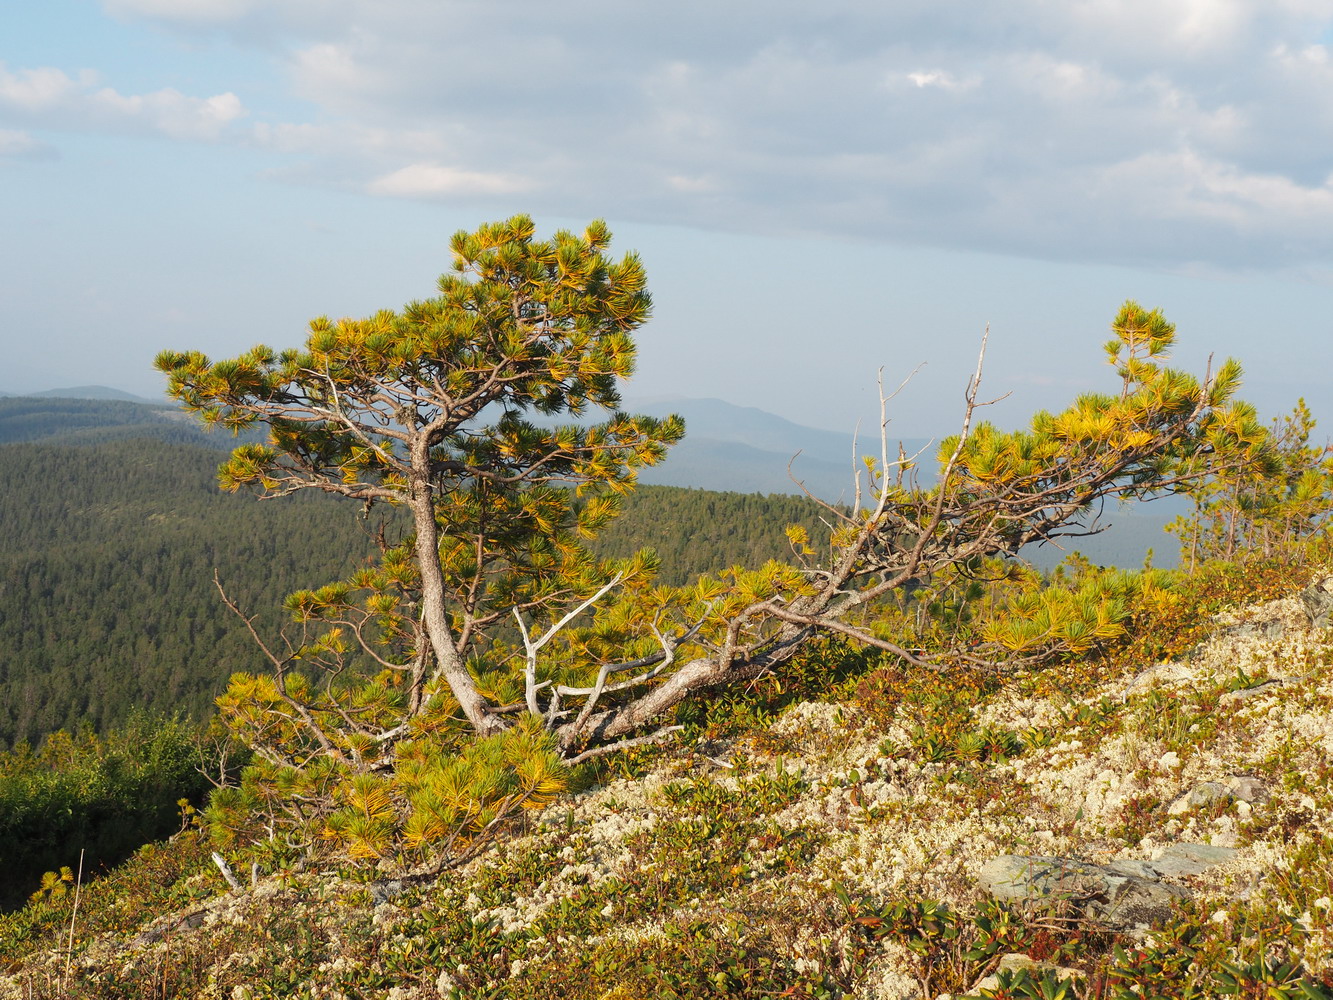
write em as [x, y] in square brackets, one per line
[1247, 789]
[1190, 859]
[1120, 895]
[1318, 601]
[1239, 787]
[1202, 794]
[1109, 896]
[383, 891]
[1133, 869]
[1135, 902]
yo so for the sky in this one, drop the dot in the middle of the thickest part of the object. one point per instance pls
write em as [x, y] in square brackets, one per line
[819, 191]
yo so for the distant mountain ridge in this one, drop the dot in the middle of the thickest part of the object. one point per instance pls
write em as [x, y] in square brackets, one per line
[69, 420]
[749, 425]
[729, 447]
[89, 392]
[726, 448]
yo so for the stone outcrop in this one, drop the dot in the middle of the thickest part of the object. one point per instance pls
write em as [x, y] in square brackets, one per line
[1120, 895]
[1318, 601]
[1236, 788]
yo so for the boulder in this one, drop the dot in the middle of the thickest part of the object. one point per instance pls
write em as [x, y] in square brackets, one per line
[1236, 787]
[1115, 898]
[1120, 895]
[1189, 859]
[1318, 601]
[385, 890]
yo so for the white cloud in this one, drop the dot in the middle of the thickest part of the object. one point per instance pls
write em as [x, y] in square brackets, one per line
[1191, 186]
[170, 111]
[328, 67]
[942, 79]
[53, 99]
[16, 145]
[37, 90]
[429, 180]
[1039, 127]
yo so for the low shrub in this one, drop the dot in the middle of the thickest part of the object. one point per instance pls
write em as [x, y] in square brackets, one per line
[104, 796]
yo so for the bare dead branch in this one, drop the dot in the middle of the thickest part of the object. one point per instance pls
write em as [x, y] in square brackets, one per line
[638, 741]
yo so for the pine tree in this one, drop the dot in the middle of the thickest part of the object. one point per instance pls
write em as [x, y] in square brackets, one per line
[421, 703]
[1270, 501]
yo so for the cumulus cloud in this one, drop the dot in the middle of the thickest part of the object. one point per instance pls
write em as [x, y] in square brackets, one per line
[54, 99]
[430, 180]
[16, 145]
[1171, 131]
[35, 91]
[941, 78]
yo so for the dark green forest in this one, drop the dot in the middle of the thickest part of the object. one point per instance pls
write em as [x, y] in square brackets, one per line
[96, 421]
[107, 601]
[702, 531]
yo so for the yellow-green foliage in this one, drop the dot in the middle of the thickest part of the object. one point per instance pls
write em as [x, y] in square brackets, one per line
[1273, 497]
[424, 797]
[1071, 620]
[1110, 430]
[54, 885]
[459, 796]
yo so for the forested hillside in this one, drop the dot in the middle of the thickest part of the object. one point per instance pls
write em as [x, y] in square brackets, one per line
[95, 421]
[702, 531]
[107, 599]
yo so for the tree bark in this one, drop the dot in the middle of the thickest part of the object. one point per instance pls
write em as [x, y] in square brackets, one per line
[435, 613]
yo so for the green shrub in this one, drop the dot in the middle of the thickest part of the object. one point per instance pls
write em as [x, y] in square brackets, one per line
[104, 796]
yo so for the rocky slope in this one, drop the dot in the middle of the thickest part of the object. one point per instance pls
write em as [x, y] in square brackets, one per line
[850, 847]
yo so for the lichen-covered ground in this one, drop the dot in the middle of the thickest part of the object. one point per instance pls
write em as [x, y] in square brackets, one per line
[802, 858]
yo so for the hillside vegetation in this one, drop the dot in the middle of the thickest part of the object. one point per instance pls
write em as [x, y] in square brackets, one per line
[824, 835]
[107, 598]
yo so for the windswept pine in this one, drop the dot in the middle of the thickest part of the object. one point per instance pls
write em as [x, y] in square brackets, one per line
[493, 625]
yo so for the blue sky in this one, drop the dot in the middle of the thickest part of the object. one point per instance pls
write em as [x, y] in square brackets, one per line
[818, 191]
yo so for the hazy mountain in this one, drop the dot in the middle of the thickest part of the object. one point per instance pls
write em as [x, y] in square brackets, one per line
[748, 425]
[66, 420]
[727, 448]
[730, 447]
[96, 392]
